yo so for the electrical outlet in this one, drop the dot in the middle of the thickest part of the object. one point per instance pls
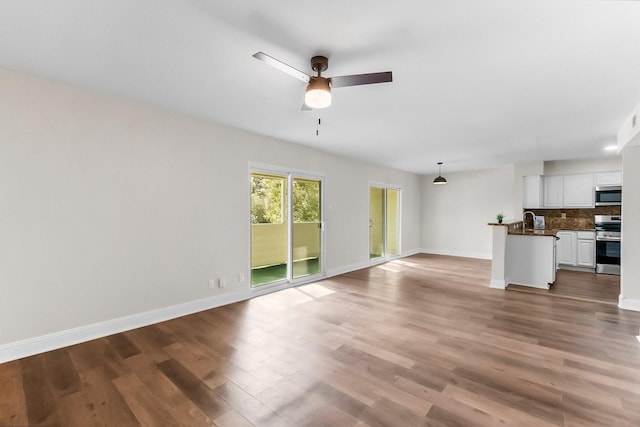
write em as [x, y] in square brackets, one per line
[221, 282]
[563, 215]
[212, 284]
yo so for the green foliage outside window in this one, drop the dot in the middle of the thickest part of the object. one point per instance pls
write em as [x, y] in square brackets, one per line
[306, 201]
[268, 200]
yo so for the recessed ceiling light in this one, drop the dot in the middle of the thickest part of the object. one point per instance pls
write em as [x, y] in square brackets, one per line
[611, 147]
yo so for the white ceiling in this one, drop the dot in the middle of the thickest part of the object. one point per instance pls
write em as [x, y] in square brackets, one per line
[477, 83]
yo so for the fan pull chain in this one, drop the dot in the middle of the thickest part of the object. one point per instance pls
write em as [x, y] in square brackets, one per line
[318, 128]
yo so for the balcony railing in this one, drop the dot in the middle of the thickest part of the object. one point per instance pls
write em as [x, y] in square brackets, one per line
[269, 243]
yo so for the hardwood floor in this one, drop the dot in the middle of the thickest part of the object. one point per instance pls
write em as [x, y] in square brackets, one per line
[418, 341]
[604, 288]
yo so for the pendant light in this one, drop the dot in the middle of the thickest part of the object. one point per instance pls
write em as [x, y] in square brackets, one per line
[440, 179]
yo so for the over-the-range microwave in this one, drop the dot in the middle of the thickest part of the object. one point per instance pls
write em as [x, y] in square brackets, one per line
[608, 195]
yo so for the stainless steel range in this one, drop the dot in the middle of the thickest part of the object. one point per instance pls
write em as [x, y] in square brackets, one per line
[608, 239]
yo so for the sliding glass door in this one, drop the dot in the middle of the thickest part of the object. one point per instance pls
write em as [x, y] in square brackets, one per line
[307, 227]
[384, 221]
[269, 228]
[376, 222]
[286, 227]
[392, 221]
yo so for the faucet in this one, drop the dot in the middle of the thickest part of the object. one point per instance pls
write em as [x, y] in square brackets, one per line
[524, 219]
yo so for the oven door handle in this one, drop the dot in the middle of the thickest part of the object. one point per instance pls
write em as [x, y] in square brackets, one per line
[608, 239]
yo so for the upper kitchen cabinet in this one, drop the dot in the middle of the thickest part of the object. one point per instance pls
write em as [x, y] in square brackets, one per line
[565, 191]
[532, 192]
[608, 178]
[552, 191]
[578, 190]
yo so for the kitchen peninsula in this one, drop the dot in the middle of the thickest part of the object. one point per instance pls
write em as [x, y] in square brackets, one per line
[522, 256]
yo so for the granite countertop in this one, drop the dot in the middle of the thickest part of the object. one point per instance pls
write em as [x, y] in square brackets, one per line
[515, 228]
[533, 232]
[507, 223]
[542, 232]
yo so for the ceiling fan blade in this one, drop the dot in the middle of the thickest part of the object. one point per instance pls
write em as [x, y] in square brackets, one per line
[305, 107]
[361, 79]
[282, 66]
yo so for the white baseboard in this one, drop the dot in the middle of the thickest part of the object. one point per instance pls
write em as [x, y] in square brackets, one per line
[498, 284]
[369, 263]
[30, 346]
[628, 303]
[352, 267]
[464, 254]
[411, 252]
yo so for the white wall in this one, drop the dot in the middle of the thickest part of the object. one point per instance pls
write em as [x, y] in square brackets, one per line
[455, 215]
[110, 208]
[604, 164]
[630, 277]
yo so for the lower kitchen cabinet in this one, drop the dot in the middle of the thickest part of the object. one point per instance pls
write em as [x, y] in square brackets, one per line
[576, 249]
[566, 247]
[586, 253]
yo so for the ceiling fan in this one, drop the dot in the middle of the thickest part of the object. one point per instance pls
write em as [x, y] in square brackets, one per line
[318, 93]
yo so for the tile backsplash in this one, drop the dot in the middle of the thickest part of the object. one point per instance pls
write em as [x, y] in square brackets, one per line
[576, 219]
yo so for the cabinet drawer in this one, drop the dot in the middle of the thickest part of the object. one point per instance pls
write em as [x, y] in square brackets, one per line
[586, 235]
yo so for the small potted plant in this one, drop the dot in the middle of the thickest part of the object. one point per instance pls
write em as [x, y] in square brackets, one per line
[499, 217]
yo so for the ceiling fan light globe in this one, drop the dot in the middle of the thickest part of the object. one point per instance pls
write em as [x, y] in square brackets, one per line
[318, 94]
[317, 98]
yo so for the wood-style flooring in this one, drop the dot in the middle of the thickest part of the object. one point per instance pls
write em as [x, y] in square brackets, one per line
[580, 285]
[418, 341]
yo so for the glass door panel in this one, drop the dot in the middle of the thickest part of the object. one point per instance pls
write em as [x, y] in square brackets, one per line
[392, 221]
[269, 228]
[307, 227]
[376, 222]
[384, 222]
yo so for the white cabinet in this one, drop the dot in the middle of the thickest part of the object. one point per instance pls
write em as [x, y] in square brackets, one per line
[608, 178]
[586, 253]
[578, 190]
[566, 247]
[576, 249]
[532, 192]
[586, 249]
[552, 191]
[565, 191]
